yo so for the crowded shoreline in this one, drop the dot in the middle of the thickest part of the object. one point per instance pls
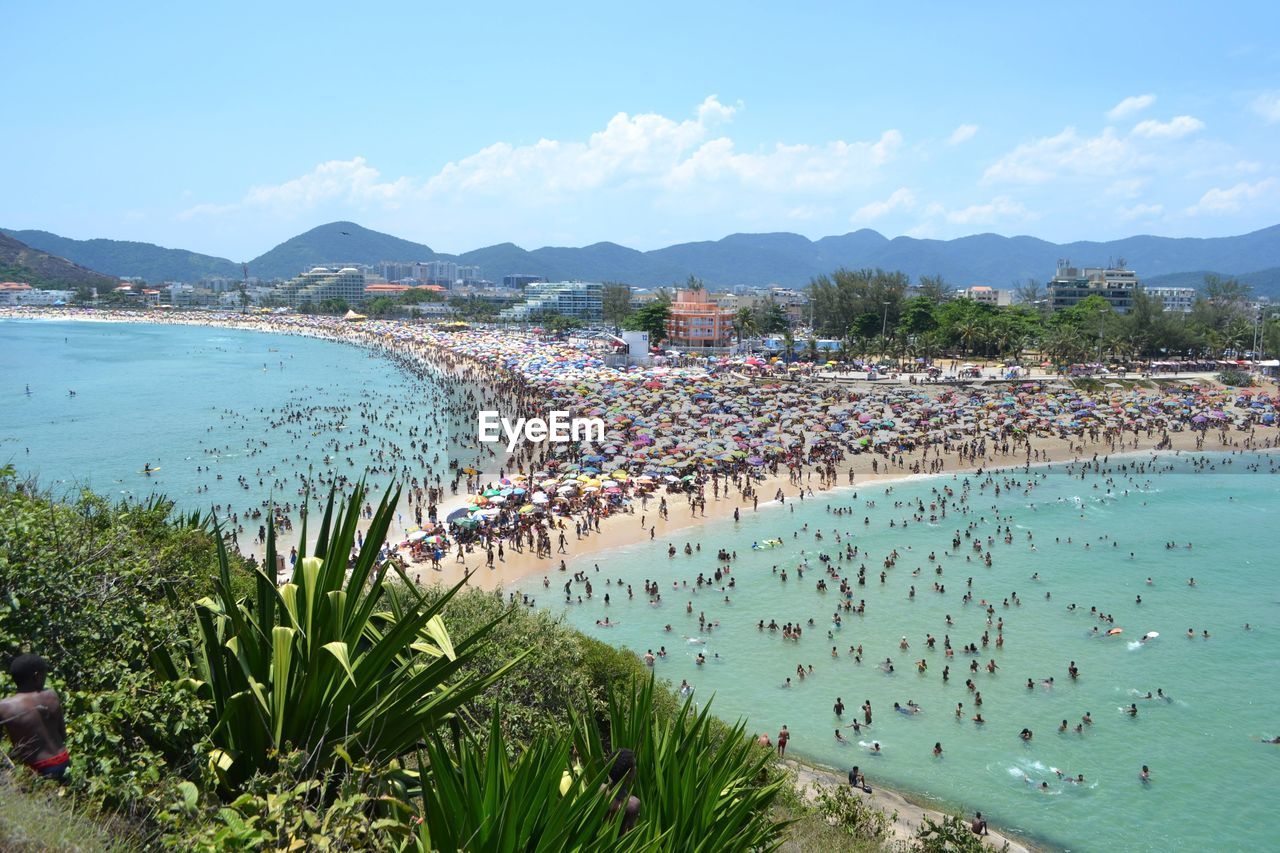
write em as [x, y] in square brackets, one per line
[505, 517]
[637, 515]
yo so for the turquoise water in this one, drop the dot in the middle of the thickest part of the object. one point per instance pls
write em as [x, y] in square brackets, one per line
[188, 397]
[1212, 780]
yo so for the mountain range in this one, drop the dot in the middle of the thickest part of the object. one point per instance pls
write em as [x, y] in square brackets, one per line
[753, 259]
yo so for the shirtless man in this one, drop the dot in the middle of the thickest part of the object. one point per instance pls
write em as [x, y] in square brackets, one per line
[33, 720]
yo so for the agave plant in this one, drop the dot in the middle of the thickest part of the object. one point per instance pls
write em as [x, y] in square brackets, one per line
[324, 664]
[700, 789]
[479, 798]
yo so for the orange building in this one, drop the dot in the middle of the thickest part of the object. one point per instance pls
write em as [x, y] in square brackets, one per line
[696, 321]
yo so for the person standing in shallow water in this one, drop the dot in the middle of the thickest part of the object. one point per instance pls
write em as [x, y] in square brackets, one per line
[33, 720]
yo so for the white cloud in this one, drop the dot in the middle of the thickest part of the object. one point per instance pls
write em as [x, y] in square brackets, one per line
[963, 133]
[1126, 187]
[999, 208]
[1066, 154]
[352, 182]
[1175, 128]
[1267, 106]
[1139, 211]
[1232, 199]
[1130, 105]
[900, 199]
[646, 150]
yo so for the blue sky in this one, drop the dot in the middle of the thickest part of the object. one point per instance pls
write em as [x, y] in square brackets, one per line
[227, 127]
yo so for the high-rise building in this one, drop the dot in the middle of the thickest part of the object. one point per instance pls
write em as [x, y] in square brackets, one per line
[581, 299]
[320, 283]
[1072, 285]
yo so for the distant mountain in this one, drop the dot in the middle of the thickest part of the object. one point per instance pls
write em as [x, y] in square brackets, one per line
[19, 262]
[335, 243]
[1263, 282]
[753, 259]
[124, 258]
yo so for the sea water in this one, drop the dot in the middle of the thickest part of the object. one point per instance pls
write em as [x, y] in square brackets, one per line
[185, 397]
[1097, 537]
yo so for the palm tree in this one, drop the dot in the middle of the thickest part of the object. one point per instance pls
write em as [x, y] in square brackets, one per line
[744, 324]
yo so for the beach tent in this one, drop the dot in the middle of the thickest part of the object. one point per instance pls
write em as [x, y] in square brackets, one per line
[353, 316]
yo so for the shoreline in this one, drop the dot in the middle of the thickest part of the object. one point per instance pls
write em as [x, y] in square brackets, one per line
[615, 533]
[906, 810]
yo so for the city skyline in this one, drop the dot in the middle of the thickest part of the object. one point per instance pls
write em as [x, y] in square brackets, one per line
[203, 131]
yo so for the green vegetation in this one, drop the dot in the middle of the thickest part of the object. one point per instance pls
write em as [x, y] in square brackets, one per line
[650, 317]
[210, 709]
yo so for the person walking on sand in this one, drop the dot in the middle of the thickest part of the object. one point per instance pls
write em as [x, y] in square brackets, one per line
[33, 720]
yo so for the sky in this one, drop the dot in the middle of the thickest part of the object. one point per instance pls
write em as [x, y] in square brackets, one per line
[228, 127]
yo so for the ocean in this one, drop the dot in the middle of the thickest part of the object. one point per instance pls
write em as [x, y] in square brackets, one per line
[251, 410]
[1098, 535]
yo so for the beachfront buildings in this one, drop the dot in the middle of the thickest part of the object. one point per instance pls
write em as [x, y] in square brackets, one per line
[697, 321]
[985, 295]
[581, 299]
[1072, 285]
[1179, 300]
[21, 293]
[321, 283]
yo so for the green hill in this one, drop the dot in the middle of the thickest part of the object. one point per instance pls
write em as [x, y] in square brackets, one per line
[336, 243]
[19, 262]
[126, 258]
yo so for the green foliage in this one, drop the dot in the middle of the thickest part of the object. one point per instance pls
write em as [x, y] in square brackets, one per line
[949, 835]
[326, 663]
[842, 297]
[701, 788]
[479, 798]
[419, 295]
[616, 302]
[1235, 378]
[770, 318]
[554, 667]
[557, 323]
[650, 317]
[850, 813]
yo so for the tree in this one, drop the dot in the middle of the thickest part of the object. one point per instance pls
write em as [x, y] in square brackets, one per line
[841, 297]
[243, 290]
[650, 317]
[744, 324]
[418, 295]
[770, 318]
[380, 306]
[917, 316]
[616, 303]
[694, 283]
[1032, 294]
[556, 323]
[933, 289]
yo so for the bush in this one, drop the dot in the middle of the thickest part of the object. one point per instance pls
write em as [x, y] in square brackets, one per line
[1235, 378]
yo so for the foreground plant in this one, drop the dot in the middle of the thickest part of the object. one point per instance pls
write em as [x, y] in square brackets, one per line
[701, 789]
[325, 664]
